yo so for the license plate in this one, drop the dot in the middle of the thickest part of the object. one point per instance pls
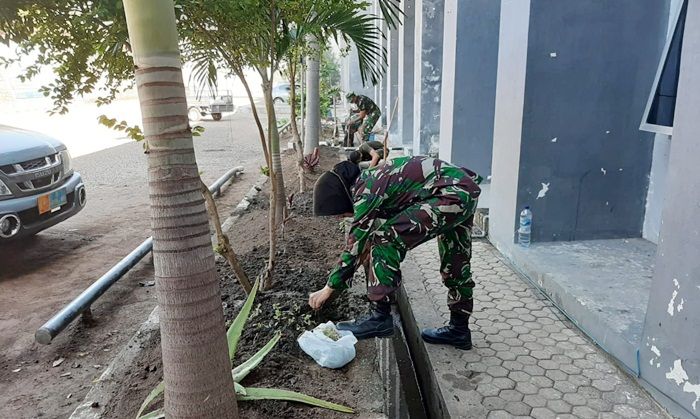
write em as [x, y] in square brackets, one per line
[52, 201]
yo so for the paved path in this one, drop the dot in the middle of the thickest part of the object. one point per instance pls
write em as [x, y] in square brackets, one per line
[527, 360]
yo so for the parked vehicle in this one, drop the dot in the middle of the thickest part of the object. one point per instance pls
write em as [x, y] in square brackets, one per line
[38, 186]
[215, 108]
[281, 92]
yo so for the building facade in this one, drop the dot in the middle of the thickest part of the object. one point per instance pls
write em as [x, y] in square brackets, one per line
[588, 113]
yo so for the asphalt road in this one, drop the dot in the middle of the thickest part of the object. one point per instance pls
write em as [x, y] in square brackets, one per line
[39, 276]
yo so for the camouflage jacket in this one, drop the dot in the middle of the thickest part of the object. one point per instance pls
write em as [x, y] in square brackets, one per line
[366, 104]
[384, 191]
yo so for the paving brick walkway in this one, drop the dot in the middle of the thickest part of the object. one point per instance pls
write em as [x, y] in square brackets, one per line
[528, 360]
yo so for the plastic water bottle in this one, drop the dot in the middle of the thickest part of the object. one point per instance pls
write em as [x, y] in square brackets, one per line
[525, 227]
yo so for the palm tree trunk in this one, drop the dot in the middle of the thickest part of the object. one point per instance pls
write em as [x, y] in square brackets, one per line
[313, 105]
[196, 367]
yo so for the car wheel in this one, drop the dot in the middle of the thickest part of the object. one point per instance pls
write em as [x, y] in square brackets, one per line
[278, 100]
[216, 116]
[194, 114]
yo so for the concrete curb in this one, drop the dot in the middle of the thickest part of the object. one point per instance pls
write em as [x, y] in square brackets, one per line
[245, 203]
[105, 387]
[103, 390]
[418, 312]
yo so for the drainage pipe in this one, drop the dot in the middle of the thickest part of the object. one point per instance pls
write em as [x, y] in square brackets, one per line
[46, 333]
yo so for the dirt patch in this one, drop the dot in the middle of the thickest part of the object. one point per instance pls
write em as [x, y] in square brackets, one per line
[40, 275]
[308, 249]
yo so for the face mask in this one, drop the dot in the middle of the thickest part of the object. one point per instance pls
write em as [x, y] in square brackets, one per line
[353, 106]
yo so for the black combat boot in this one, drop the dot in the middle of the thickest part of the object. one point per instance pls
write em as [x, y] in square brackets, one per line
[456, 333]
[378, 323]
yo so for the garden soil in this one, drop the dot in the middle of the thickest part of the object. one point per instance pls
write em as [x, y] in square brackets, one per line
[307, 250]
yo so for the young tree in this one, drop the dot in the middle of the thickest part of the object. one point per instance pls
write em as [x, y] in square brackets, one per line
[85, 41]
[196, 367]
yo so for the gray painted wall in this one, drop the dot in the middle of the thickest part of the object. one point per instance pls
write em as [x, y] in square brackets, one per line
[469, 83]
[404, 118]
[354, 81]
[588, 75]
[670, 350]
[428, 69]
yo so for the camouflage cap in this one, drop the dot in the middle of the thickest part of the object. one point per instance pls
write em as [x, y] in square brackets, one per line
[350, 95]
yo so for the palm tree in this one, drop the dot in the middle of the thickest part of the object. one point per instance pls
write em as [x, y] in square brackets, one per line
[196, 367]
[264, 35]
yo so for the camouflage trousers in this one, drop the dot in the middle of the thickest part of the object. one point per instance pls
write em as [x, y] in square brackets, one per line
[368, 123]
[447, 216]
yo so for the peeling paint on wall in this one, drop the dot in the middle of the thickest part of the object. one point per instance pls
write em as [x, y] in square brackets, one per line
[671, 304]
[677, 373]
[669, 309]
[693, 388]
[543, 191]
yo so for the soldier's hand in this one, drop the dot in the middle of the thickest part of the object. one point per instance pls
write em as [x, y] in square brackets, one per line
[318, 298]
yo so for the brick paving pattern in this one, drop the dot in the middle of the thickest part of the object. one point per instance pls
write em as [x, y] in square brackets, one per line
[528, 360]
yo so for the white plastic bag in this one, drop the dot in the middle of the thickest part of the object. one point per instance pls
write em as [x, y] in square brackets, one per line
[324, 350]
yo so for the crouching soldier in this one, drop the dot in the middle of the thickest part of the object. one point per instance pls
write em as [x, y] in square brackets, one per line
[369, 151]
[367, 115]
[396, 207]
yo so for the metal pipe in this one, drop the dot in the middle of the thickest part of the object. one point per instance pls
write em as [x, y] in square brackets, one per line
[46, 333]
[215, 188]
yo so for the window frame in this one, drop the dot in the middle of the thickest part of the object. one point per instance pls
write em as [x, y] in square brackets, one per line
[644, 125]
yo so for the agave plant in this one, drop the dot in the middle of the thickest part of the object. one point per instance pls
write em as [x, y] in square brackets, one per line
[312, 160]
[233, 335]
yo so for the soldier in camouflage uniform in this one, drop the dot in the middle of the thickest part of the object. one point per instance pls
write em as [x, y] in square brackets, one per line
[396, 207]
[368, 113]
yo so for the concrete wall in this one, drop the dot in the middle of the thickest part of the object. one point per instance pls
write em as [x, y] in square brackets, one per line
[659, 164]
[393, 84]
[469, 63]
[583, 163]
[427, 76]
[352, 81]
[404, 121]
[657, 188]
[670, 352]
[507, 130]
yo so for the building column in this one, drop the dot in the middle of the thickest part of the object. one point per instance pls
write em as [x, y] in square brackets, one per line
[669, 351]
[393, 83]
[469, 64]
[428, 78]
[406, 36]
[384, 85]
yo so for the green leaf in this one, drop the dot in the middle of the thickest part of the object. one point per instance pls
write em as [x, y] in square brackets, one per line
[157, 391]
[254, 393]
[240, 390]
[156, 414]
[241, 371]
[233, 334]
